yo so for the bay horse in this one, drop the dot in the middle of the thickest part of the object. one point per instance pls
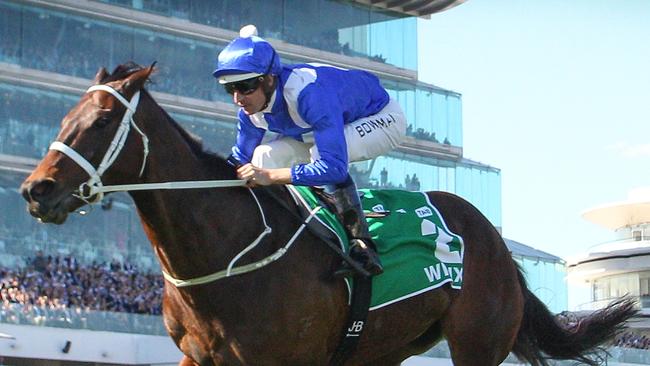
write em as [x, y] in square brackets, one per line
[290, 312]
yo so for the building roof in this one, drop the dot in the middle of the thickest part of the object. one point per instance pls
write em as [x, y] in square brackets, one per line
[612, 251]
[523, 250]
[616, 215]
[413, 7]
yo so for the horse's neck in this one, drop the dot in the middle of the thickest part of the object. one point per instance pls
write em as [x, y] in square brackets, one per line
[192, 231]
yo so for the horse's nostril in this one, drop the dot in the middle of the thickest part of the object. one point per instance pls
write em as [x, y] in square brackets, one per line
[25, 192]
[39, 189]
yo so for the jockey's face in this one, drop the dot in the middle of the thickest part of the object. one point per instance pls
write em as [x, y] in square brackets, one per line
[253, 101]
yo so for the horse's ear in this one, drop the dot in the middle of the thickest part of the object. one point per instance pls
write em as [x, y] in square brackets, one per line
[135, 81]
[101, 74]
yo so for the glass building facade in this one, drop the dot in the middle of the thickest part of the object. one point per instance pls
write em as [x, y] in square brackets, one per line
[547, 280]
[78, 45]
[44, 44]
[350, 29]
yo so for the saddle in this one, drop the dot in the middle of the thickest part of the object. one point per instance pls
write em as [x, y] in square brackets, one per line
[328, 201]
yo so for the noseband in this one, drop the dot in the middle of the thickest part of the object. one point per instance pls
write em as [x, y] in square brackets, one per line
[93, 186]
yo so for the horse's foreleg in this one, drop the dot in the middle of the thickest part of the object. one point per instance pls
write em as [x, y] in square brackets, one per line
[186, 361]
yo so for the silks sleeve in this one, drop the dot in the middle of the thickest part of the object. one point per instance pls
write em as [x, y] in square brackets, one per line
[249, 137]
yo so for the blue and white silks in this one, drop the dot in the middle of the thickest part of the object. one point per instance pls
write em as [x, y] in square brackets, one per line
[318, 99]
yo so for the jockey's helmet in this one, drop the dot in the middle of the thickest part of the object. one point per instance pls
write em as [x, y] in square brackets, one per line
[247, 56]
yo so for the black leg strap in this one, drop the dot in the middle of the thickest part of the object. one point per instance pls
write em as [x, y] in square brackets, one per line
[362, 291]
[361, 295]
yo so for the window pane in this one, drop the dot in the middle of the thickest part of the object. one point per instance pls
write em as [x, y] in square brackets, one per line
[10, 30]
[29, 119]
[351, 29]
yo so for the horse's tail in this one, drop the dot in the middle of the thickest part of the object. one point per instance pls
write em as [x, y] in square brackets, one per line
[541, 336]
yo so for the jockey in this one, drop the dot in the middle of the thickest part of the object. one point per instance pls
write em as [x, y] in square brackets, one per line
[325, 117]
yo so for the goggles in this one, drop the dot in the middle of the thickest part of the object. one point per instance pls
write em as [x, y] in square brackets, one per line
[244, 87]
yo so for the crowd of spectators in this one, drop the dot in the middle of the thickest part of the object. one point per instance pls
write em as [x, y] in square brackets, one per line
[29, 121]
[60, 291]
[363, 180]
[9, 50]
[114, 286]
[232, 14]
[632, 340]
[421, 134]
[412, 183]
[98, 44]
[629, 339]
[188, 79]
[9, 32]
[101, 44]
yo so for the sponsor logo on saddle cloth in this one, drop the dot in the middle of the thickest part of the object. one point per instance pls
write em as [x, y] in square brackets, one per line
[418, 251]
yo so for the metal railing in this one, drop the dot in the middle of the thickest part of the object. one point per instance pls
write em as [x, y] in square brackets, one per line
[611, 356]
[79, 318]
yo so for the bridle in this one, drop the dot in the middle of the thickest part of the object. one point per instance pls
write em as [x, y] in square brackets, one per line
[94, 187]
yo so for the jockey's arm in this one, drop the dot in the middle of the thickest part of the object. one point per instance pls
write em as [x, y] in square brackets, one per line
[249, 137]
[263, 177]
[324, 114]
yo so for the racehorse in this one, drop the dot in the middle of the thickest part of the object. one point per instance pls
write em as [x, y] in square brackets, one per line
[292, 311]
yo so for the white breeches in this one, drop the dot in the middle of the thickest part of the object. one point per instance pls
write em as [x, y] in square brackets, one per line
[366, 138]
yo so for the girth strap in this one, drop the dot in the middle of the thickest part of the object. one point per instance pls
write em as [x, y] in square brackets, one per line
[361, 295]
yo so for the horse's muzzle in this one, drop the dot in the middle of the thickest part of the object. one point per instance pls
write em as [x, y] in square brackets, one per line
[43, 201]
[37, 190]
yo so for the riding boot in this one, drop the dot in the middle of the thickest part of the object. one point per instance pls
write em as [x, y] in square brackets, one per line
[349, 211]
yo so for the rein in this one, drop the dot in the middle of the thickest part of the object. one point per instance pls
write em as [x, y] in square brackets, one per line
[230, 271]
[94, 187]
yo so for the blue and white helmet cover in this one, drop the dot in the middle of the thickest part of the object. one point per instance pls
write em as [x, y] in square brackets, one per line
[249, 56]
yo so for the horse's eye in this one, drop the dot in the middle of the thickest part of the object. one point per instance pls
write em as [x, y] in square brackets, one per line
[103, 121]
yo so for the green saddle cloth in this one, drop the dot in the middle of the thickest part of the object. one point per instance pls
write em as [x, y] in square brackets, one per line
[416, 248]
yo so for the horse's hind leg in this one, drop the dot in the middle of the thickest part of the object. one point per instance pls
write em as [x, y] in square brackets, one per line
[480, 331]
[482, 322]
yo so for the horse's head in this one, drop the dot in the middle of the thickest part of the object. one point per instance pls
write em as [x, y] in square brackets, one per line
[91, 137]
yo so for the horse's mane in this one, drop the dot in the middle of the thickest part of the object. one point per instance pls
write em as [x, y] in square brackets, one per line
[208, 158]
[121, 71]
